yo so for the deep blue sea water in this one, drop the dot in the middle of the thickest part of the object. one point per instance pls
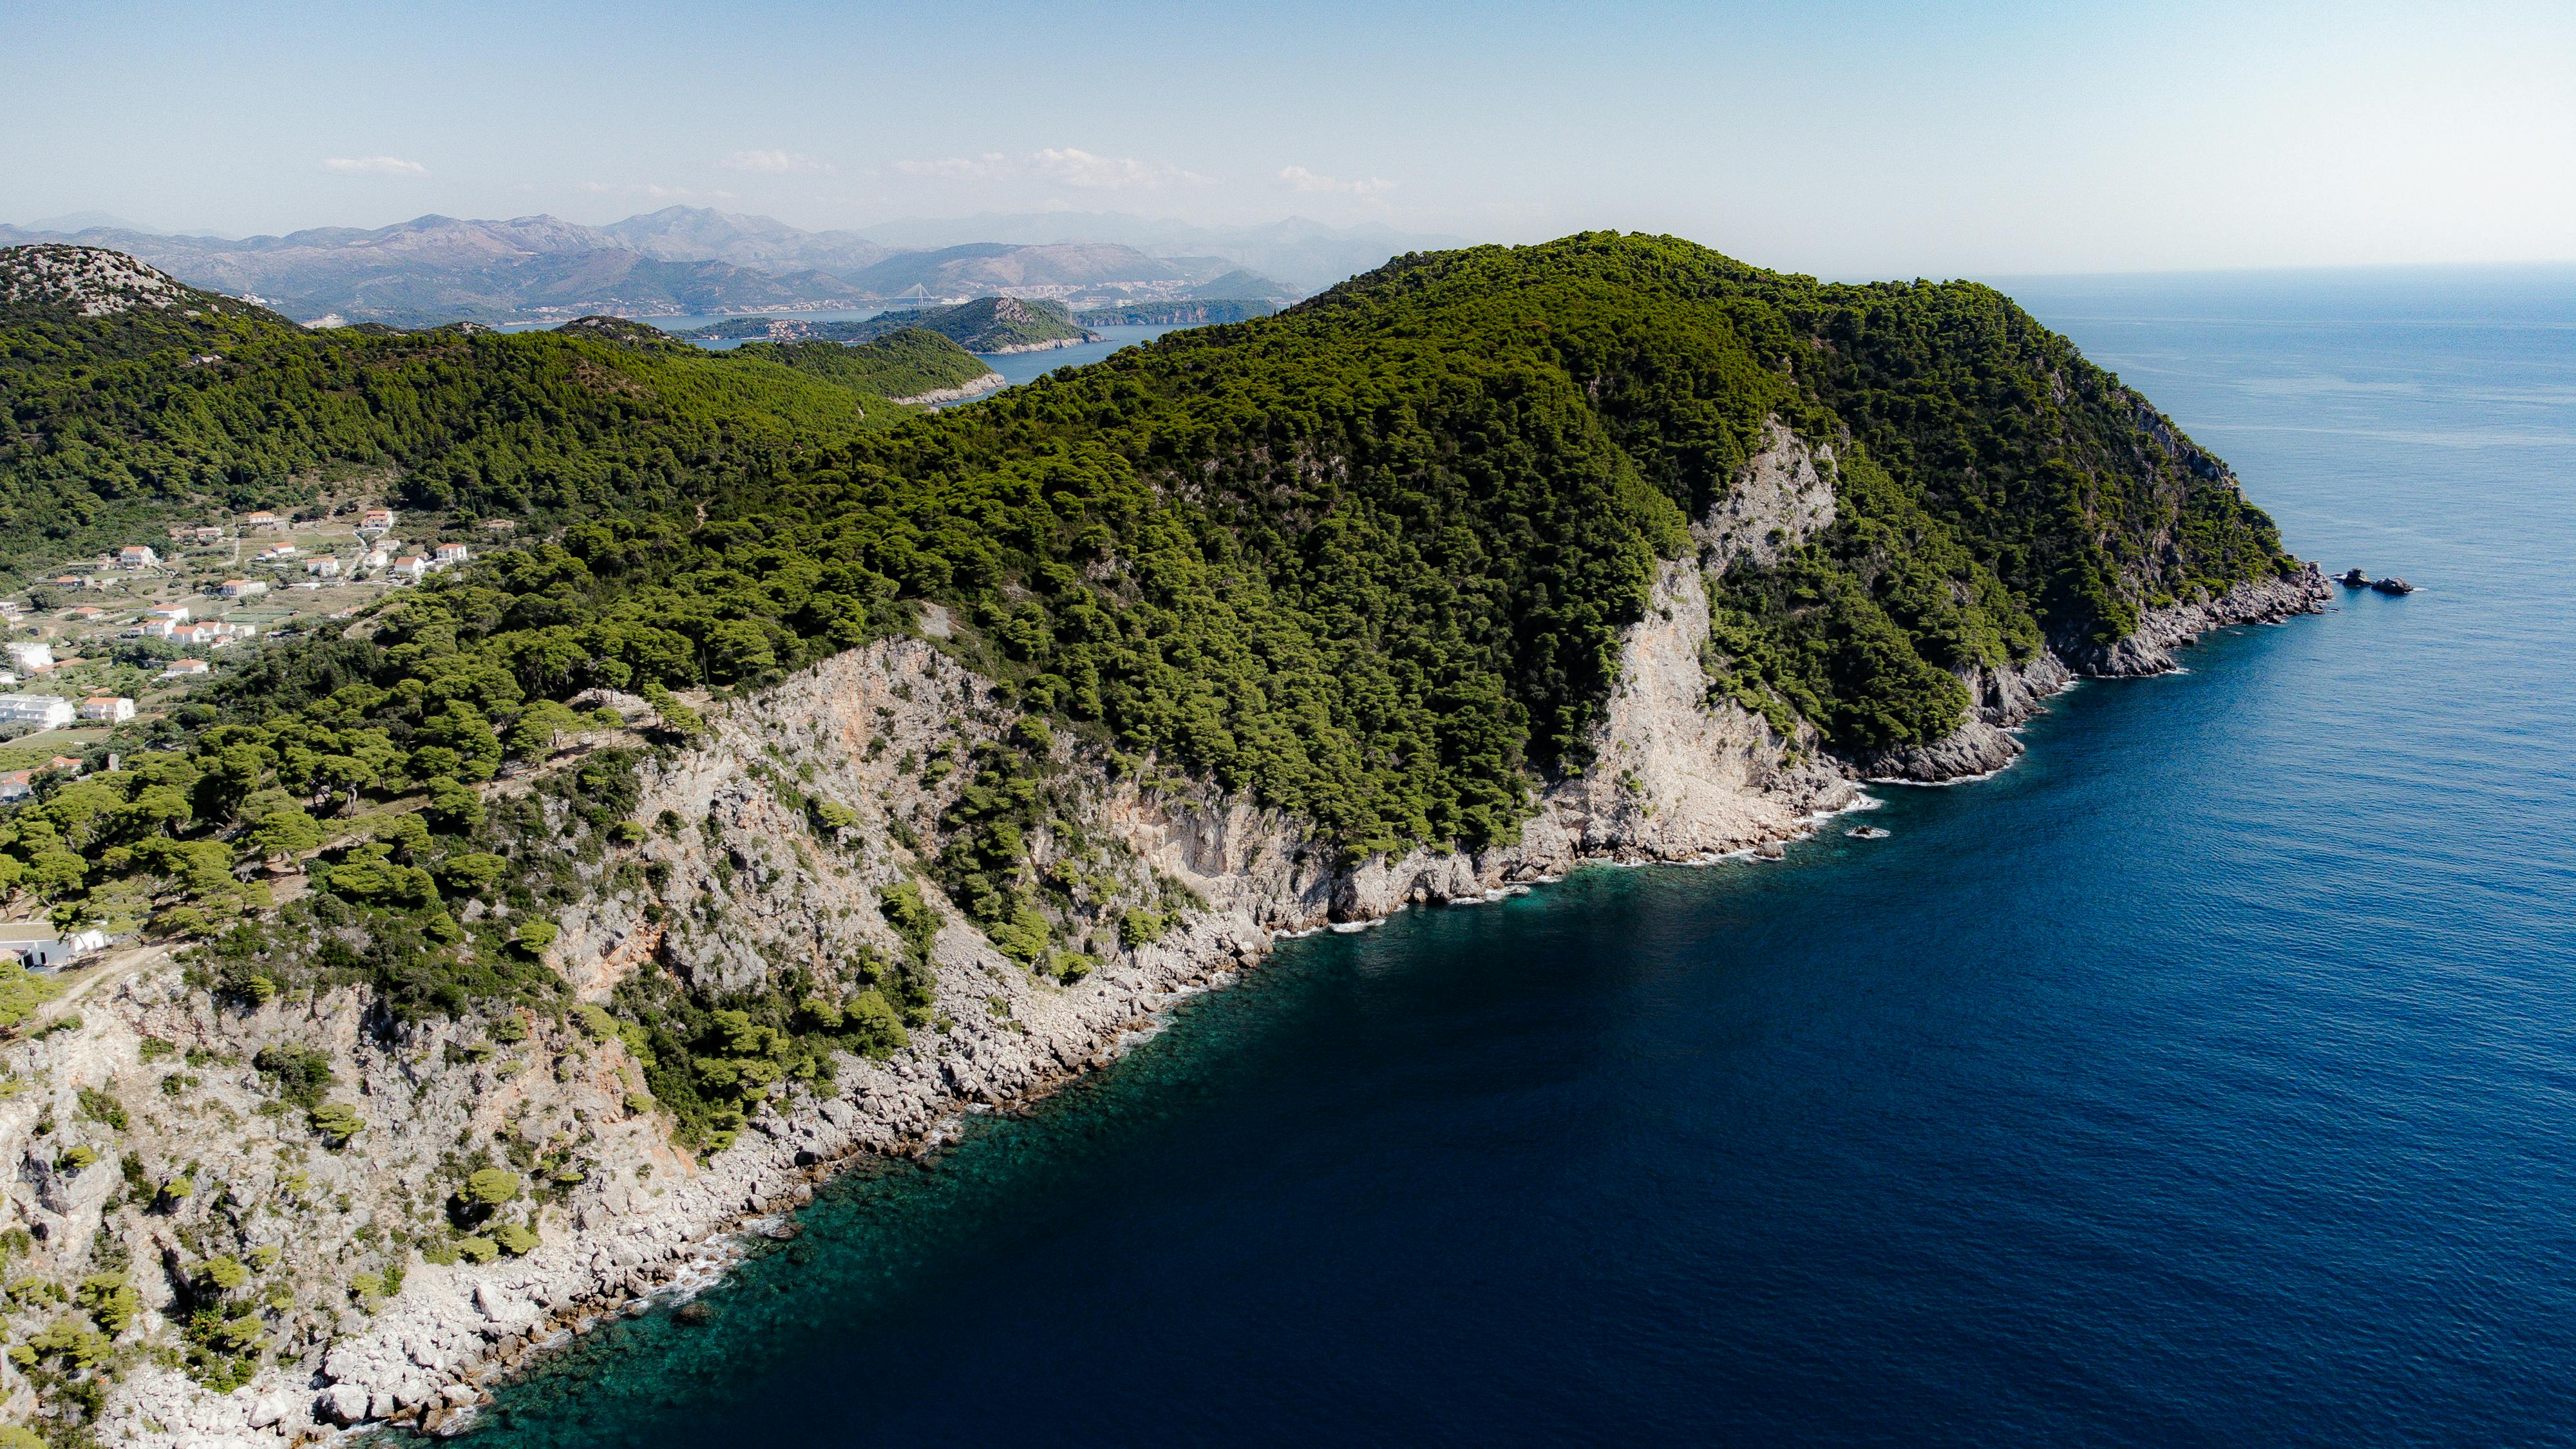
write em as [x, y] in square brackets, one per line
[2207, 1078]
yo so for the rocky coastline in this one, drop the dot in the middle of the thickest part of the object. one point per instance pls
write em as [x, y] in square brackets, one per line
[1678, 777]
[1048, 345]
[2011, 695]
[974, 388]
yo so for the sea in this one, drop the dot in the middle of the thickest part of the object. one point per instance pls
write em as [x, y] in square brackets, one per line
[2209, 1077]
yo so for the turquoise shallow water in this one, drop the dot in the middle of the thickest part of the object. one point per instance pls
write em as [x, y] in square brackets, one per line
[2209, 1077]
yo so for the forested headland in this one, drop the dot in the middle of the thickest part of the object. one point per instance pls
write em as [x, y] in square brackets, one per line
[1367, 560]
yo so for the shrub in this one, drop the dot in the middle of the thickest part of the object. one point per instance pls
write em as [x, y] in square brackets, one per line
[99, 1106]
[337, 1122]
[22, 991]
[299, 1074]
[491, 1187]
[110, 1301]
[471, 871]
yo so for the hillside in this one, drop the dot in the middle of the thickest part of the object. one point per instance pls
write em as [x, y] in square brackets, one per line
[182, 402]
[778, 806]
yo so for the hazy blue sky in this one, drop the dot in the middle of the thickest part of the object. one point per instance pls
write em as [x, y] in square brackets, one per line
[1850, 138]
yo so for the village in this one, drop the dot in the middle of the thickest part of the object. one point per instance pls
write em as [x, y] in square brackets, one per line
[102, 651]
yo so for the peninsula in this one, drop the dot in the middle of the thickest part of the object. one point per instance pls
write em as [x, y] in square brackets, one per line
[808, 771]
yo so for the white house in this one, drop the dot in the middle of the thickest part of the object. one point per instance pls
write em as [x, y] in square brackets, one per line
[261, 519]
[114, 708]
[136, 556]
[411, 566]
[241, 588]
[17, 785]
[40, 947]
[323, 568]
[45, 709]
[31, 658]
[451, 553]
[375, 521]
[174, 613]
[183, 668]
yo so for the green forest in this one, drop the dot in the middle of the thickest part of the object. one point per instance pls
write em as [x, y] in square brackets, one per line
[1367, 560]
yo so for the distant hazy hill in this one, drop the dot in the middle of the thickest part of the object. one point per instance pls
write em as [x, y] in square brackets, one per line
[701, 234]
[987, 325]
[1188, 313]
[988, 267]
[1307, 255]
[438, 269]
[679, 260]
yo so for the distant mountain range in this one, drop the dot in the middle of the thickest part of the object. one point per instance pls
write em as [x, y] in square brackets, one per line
[1305, 254]
[684, 260]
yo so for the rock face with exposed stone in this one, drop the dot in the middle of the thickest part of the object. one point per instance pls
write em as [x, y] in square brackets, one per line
[94, 281]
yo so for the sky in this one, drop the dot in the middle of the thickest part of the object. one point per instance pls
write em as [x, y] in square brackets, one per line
[1841, 139]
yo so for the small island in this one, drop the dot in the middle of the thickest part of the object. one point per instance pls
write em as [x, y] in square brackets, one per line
[993, 326]
[1204, 312]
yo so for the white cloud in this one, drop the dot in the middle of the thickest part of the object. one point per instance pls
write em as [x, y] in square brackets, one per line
[772, 161]
[991, 163]
[655, 190]
[1110, 173]
[1305, 180]
[1061, 164]
[374, 166]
